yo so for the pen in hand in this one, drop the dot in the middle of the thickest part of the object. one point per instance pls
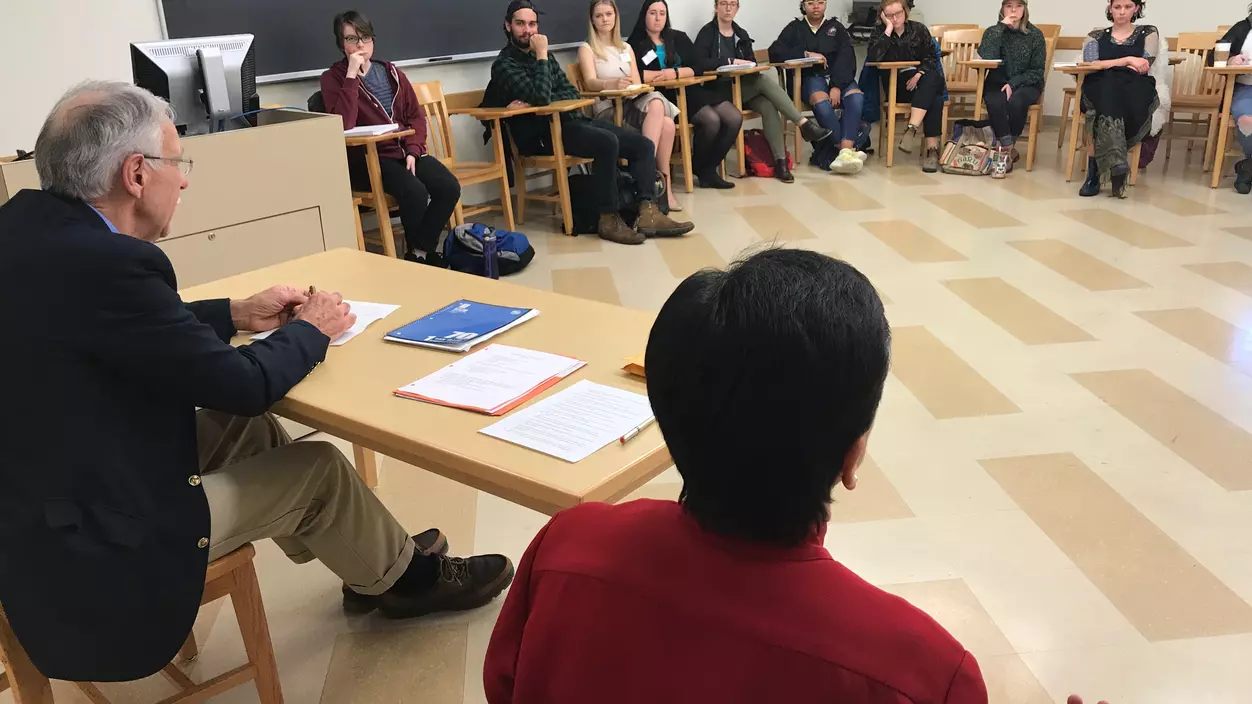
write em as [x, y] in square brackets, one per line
[289, 313]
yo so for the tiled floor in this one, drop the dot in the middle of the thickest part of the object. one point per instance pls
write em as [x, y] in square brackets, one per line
[1062, 468]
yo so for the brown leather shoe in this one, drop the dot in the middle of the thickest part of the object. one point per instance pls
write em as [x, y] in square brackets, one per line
[614, 229]
[463, 584]
[428, 542]
[653, 223]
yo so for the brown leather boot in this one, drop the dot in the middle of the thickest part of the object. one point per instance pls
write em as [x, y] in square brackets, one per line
[614, 229]
[653, 223]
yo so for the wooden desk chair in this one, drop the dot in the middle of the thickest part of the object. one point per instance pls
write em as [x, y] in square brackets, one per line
[893, 110]
[1035, 114]
[938, 30]
[797, 140]
[556, 165]
[1197, 93]
[360, 232]
[376, 197]
[233, 576]
[1050, 31]
[683, 157]
[962, 81]
[736, 93]
[1078, 136]
[439, 144]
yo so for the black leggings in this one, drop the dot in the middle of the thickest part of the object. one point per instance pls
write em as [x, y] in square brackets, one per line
[426, 200]
[1008, 115]
[928, 97]
[716, 127]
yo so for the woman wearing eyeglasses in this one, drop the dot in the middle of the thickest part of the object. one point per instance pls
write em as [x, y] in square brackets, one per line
[723, 42]
[365, 91]
[899, 38]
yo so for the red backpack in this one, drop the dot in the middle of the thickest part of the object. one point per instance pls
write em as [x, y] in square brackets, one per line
[758, 156]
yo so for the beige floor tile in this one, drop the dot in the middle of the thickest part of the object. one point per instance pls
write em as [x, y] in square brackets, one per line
[744, 187]
[686, 255]
[1171, 203]
[842, 195]
[874, 499]
[1206, 439]
[564, 244]
[943, 382]
[1156, 584]
[1244, 232]
[1020, 315]
[1236, 275]
[418, 664]
[1133, 233]
[887, 552]
[1076, 265]
[595, 283]
[973, 211]
[774, 223]
[1206, 332]
[904, 173]
[912, 242]
[1035, 189]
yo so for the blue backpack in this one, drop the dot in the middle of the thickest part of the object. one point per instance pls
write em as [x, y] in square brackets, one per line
[463, 249]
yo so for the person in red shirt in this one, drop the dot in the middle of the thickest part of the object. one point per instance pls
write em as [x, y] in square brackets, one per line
[765, 380]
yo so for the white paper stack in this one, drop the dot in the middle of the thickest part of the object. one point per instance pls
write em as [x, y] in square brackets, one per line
[575, 423]
[370, 130]
[366, 314]
[494, 380]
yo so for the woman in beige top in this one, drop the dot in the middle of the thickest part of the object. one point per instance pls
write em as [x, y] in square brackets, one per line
[608, 63]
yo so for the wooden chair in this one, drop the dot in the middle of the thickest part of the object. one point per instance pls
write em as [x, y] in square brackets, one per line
[892, 110]
[1078, 136]
[1035, 115]
[376, 198]
[233, 576]
[440, 145]
[555, 165]
[937, 30]
[1050, 31]
[960, 45]
[1197, 93]
[683, 136]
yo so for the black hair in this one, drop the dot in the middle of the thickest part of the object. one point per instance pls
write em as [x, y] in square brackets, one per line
[1139, 13]
[762, 378]
[639, 35]
[363, 26]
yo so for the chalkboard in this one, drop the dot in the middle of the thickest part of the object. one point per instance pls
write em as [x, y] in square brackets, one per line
[294, 38]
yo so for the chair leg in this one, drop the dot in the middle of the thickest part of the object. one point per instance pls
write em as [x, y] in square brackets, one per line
[380, 199]
[1210, 143]
[1169, 136]
[506, 204]
[1133, 158]
[190, 650]
[684, 141]
[519, 184]
[360, 232]
[1034, 140]
[250, 612]
[561, 176]
[28, 683]
[1074, 128]
[1060, 135]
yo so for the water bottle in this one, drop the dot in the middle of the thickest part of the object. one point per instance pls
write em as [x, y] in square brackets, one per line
[490, 266]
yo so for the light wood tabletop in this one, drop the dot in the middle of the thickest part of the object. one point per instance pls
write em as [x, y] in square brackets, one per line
[350, 395]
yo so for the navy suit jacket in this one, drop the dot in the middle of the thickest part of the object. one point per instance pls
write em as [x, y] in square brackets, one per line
[101, 564]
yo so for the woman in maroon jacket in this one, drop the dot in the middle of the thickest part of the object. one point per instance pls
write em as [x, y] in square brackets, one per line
[368, 92]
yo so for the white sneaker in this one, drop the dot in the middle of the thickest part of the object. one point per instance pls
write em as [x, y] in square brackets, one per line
[862, 156]
[848, 162]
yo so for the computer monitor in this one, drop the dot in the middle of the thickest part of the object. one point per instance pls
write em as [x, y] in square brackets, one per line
[210, 81]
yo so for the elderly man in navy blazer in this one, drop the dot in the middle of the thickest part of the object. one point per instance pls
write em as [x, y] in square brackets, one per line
[115, 491]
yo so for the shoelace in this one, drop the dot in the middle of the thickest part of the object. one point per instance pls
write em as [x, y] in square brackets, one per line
[454, 569]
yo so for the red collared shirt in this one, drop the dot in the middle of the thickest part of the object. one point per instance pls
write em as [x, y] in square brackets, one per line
[637, 603]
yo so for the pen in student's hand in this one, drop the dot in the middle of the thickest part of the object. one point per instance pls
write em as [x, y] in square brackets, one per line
[634, 432]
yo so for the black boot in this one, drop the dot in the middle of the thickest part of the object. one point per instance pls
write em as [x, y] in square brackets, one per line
[782, 173]
[1243, 177]
[711, 179]
[1092, 185]
[1119, 186]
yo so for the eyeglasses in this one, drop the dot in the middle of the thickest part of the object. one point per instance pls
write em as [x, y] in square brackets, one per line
[897, 15]
[184, 165]
[728, 5]
[357, 41]
[814, 3]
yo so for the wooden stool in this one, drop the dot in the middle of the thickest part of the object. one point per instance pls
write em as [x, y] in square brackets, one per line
[233, 576]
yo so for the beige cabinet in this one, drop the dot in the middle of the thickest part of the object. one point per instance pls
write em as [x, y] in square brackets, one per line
[226, 251]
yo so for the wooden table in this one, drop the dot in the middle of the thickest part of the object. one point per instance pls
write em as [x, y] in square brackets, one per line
[618, 96]
[376, 198]
[887, 123]
[1230, 73]
[350, 395]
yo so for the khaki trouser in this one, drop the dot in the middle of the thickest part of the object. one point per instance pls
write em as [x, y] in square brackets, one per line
[305, 495]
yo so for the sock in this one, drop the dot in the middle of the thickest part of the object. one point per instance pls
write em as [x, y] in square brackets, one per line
[1008, 142]
[421, 574]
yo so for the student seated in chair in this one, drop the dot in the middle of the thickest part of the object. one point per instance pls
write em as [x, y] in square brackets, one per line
[1011, 89]
[115, 492]
[723, 42]
[829, 85]
[1240, 39]
[728, 595]
[899, 38]
[524, 75]
[366, 91]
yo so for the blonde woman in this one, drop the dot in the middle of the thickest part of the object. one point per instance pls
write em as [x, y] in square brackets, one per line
[608, 63]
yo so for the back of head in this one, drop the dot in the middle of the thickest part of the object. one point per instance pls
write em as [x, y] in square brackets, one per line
[91, 130]
[762, 378]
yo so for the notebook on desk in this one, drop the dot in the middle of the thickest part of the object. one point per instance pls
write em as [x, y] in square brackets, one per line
[370, 130]
[460, 326]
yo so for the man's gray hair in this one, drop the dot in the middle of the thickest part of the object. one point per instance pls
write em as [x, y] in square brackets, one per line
[91, 130]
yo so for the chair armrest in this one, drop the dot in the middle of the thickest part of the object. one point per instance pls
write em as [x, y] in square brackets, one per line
[492, 113]
[980, 64]
[894, 65]
[683, 82]
[561, 106]
[375, 139]
[622, 93]
[745, 71]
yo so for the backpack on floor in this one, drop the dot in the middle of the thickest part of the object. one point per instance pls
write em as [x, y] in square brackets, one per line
[758, 156]
[971, 149]
[463, 249]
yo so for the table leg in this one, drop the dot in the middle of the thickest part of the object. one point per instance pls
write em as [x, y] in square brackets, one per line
[380, 199]
[366, 461]
[684, 138]
[1224, 129]
[891, 118]
[982, 77]
[1073, 132]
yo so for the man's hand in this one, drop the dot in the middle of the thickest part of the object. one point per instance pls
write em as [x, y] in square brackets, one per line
[1008, 91]
[912, 84]
[327, 312]
[539, 45]
[815, 55]
[355, 63]
[836, 96]
[518, 104]
[410, 163]
[269, 309]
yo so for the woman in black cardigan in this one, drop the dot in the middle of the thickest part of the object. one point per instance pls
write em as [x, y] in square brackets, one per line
[665, 54]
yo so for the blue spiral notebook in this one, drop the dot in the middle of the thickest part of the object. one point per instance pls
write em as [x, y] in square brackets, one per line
[460, 326]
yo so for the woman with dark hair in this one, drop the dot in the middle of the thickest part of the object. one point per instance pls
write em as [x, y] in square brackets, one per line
[724, 43]
[1119, 98]
[899, 38]
[1241, 107]
[665, 54]
[365, 91]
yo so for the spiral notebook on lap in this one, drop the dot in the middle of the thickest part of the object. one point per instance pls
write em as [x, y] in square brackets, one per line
[460, 326]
